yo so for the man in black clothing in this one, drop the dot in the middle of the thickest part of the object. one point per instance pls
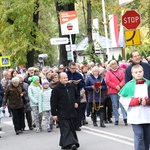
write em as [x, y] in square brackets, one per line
[135, 57]
[64, 100]
[77, 79]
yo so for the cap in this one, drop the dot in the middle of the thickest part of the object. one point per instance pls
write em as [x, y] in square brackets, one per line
[45, 81]
[123, 66]
[61, 66]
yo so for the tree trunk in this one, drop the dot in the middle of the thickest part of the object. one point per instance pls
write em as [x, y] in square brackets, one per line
[62, 49]
[89, 29]
[30, 54]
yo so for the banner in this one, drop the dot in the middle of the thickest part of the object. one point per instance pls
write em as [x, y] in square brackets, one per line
[69, 22]
[124, 2]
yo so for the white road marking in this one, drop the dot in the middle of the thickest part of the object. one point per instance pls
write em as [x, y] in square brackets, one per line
[108, 135]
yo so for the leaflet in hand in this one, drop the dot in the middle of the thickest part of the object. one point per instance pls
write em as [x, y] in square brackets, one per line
[76, 81]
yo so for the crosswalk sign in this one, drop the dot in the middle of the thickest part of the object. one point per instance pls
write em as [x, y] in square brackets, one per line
[5, 61]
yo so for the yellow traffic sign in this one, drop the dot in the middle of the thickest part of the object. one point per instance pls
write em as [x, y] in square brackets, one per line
[5, 61]
[132, 37]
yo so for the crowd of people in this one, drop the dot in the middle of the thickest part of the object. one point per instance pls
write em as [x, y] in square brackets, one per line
[66, 96]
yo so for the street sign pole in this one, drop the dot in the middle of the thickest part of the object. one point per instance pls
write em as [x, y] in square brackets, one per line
[71, 48]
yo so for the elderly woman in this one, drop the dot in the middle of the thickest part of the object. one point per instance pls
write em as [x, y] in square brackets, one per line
[115, 81]
[13, 94]
[95, 84]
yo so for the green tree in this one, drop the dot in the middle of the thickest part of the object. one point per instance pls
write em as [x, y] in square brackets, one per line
[127, 56]
[119, 57]
[18, 30]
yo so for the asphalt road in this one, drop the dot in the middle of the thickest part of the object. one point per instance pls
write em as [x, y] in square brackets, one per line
[90, 138]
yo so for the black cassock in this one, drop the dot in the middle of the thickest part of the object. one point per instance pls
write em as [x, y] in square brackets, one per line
[68, 134]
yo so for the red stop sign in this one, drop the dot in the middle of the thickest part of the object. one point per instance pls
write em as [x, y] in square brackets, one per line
[131, 19]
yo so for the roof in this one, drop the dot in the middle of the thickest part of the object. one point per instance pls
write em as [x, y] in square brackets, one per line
[101, 41]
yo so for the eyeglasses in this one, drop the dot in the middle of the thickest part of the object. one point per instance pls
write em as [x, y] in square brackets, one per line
[73, 68]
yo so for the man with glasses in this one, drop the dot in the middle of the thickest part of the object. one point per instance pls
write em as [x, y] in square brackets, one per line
[77, 79]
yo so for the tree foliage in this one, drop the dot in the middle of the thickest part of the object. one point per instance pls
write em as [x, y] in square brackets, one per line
[17, 27]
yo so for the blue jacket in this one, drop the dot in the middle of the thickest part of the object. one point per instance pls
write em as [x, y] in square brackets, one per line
[88, 86]
[76, 76]
[146, 68]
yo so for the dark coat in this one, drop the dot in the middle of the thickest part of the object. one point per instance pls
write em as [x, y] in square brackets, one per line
[63, 99]
[12, 95]
[1, 93]
[146, 68]
[88, 86]
[27, 106]
[76, 76]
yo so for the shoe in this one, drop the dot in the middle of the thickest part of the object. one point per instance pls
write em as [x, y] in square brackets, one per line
[34, 125]
[116, 122]
[95, 124]
[49, 130]
[0, 129]
[57, 126]
[78, 129]
[30, 128]
[125, 122]
[73, 147]
[102, 125]
[106, 121]
[38, 130]
[109, 120]
[85, 122]
[17, 132]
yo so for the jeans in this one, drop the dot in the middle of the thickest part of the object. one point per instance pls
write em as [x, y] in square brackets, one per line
[115, 106]
[141, 136]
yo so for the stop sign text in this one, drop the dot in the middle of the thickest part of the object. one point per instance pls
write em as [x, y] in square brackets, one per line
[131, 19]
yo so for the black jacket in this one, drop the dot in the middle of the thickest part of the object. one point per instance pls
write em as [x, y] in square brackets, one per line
[63, 99]
[146, 68]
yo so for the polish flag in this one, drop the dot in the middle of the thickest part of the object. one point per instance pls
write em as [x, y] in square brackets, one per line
[114, 32]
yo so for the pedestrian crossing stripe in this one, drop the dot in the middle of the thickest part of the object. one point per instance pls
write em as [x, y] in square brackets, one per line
[5, 61]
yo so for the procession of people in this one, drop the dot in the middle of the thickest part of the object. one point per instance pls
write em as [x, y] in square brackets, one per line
[66, 96]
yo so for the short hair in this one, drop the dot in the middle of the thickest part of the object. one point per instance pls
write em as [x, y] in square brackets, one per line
[136, 67]
[72, 64]
[113, 62]
[5, 72]
[131, 54]
[53, 75]
[95, 68]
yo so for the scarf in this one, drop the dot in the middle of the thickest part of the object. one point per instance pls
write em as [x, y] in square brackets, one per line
[128, 89]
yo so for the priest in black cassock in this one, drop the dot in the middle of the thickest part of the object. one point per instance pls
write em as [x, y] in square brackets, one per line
[64, 101]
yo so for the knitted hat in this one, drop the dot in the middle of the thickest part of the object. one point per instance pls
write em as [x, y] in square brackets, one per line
[123, 66]
[33, 78]
[15, 79]
[45, 81]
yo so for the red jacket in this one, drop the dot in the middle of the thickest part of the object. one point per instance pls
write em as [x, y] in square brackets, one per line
[113, 79]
